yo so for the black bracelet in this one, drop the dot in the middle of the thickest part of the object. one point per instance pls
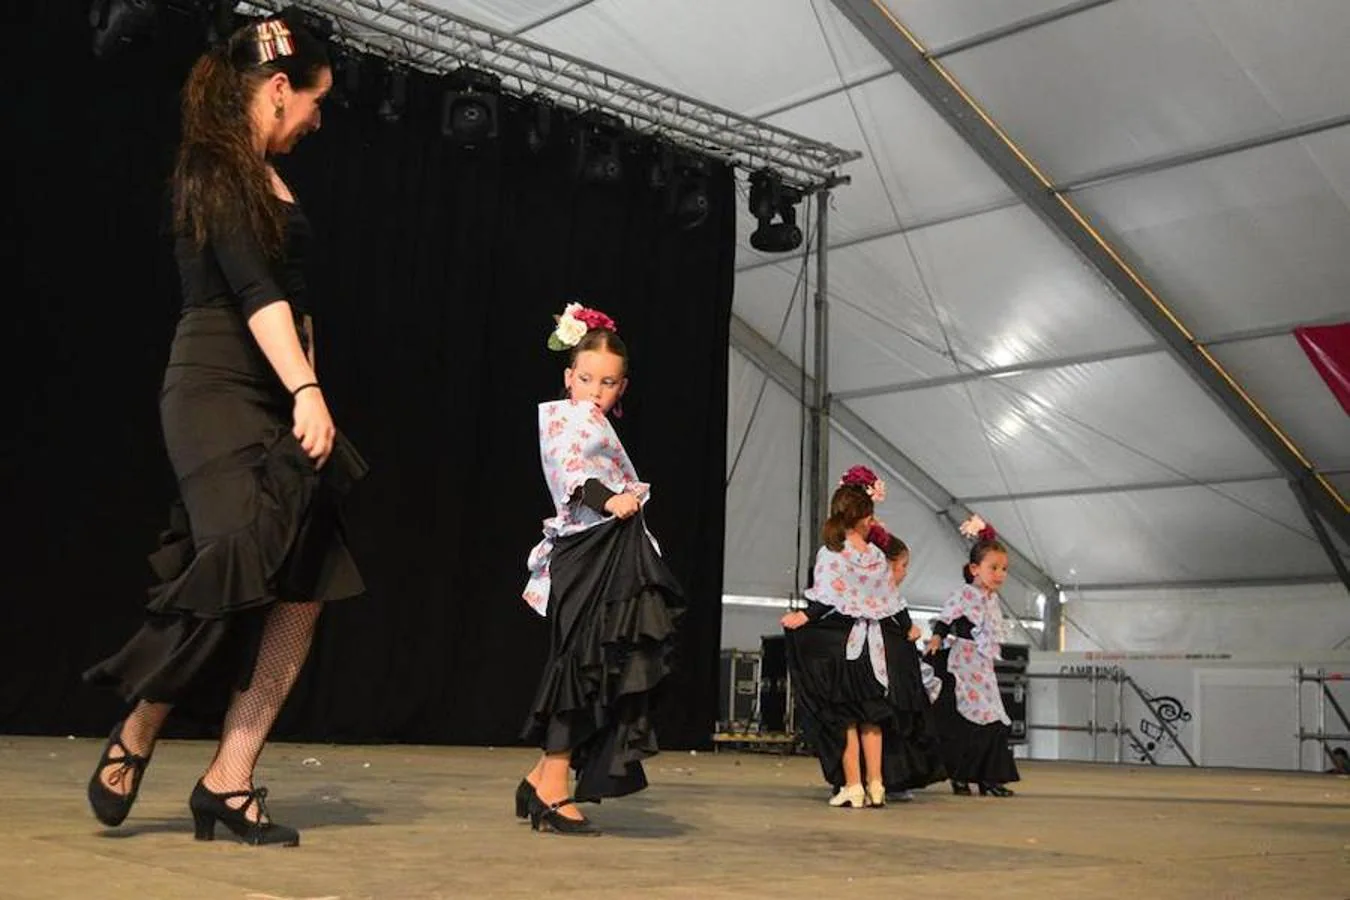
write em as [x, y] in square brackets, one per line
[308, 384]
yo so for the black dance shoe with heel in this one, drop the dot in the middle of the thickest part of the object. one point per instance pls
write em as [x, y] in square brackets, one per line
[995, 790]
[547, 818]
[524, 794]
[962, 788]
[109, 806]
[208, 808]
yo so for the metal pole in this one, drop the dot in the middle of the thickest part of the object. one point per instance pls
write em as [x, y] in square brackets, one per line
[1120, 716]
[820, 411]
[1093, 723]
[1322, 715]
[1298, 705]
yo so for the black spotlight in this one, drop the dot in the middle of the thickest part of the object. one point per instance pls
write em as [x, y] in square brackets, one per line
[346, 78]
[395, 97]
[687, 201]
[599, 148]
[540, 123]
[469, 116]
[117, 23]
[770, 197]
[219, 21]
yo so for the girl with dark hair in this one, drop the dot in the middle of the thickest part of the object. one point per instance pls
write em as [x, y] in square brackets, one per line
[965, 643]
[598, 577]
[867, 710]
[255, 545]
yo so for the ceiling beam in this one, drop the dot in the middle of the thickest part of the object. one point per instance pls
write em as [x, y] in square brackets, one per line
[1149, 166]
[556, 14]
[1202, 584]
[1120, 488]
[936, 85]
[1012, 28]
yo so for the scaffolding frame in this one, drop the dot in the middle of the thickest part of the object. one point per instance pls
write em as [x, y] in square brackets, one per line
[421, 36]
[1323, 679]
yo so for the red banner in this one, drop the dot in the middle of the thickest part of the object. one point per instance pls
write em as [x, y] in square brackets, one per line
[1328, 346]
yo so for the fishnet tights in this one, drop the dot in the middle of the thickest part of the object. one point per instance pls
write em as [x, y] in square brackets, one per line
[287, 635]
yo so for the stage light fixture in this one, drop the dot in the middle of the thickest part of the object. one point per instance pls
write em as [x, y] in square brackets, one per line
[469, 115]
[117, 23]
[346, 79]
[599, 158]
[687, 199]
[395, 97]
[769, 197]
[540, 126]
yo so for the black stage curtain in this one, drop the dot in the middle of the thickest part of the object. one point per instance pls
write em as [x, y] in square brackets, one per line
[440, 270]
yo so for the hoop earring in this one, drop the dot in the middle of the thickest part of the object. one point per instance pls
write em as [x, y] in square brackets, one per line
[279, 111]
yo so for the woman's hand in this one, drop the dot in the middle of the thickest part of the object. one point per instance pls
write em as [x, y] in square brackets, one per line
[622, 505]
[915, 632]
[314, 427]
[934, 644]
[794, 620]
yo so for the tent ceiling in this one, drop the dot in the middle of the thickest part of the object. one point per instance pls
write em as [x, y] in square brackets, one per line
[937, 272]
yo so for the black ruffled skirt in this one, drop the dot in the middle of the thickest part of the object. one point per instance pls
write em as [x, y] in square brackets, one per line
[612, 613]
[255, 523]
[975, 753]
[836, 692]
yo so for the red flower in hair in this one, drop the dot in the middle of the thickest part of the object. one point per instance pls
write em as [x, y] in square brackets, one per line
[859, 476]
[879, 536]
[865, 478]
[594, 318]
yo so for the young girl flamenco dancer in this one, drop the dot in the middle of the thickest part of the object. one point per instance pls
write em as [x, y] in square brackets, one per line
[599, 579]
[965, 643]
[853, 661]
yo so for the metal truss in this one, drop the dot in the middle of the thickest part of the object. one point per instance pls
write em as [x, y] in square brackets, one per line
[425, 37]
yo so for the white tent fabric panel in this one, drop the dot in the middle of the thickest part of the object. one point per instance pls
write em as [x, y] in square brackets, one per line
[1279, 376]
[762, 502]
[1232, 531]
[940, 22]
[1069, 428]
[1136, 80]
[745, 56]
[770, 299]
[1233, 620]
[507, 15]
[1009, 292]
[926, 170]
[1249, 240]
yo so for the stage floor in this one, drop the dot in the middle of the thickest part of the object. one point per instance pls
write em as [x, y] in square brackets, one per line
[435, 822]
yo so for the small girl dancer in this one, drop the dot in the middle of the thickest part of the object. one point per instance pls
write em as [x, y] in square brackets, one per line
[965, 643]
[869, 705]
[599, 579]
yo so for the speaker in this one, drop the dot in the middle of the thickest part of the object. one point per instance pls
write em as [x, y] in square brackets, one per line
[739, 682]
[773, 685]
[1011, 670]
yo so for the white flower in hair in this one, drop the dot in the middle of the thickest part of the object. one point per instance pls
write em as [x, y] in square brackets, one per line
[973, 526]
[570, 330]
[877, 491]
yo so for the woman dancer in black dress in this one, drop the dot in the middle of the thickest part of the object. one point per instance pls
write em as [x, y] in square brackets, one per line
[255, 543]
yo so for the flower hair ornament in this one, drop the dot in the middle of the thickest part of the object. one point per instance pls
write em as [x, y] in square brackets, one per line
[865, 478]
[977, 529]
[878, 535]
[575, 321]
